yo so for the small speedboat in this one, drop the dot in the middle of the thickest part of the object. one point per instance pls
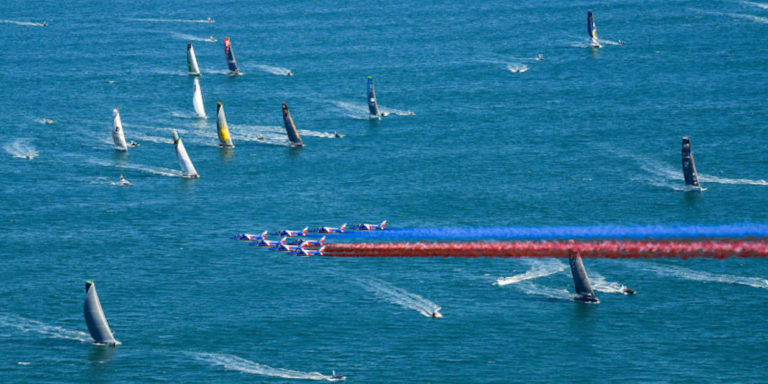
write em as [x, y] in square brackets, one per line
[337, 377]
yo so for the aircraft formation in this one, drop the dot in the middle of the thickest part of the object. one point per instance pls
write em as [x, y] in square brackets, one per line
[295, 242]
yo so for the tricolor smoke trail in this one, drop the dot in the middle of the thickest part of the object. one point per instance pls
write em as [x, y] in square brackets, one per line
[592, 232]
[717, 249]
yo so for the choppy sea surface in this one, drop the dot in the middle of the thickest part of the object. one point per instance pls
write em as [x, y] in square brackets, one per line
[584, 137]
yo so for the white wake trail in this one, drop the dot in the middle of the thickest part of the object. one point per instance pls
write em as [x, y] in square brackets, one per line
[665, 172]
[184, 36]
[533, 289]
[28, 325]
[24, 23]
[21, 149]
[142, 168]
[153, 20]
[600, 284]
[399, 296]
[274, 70]
[539, 268]
[690, 274]
[237, 363]
[759, 5]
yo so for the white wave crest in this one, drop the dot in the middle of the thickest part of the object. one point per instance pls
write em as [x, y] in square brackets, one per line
[539, 268]
[237, 363]
[153, 139]
[28, 325]
[21, 149]
[399, 296]
[759, 5]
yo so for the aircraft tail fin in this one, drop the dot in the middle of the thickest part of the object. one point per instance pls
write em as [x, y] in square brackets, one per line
[383, 224]
[321, 251]
[282, 241]
[343, 227]
[264, 234]
[304, 231]
[322, 240]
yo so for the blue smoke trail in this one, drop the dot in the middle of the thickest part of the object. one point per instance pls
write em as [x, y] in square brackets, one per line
[671, 231]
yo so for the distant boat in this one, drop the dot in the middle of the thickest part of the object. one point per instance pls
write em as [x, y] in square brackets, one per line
[290, 128]
[231, 63]
[581, 282]
[373, 106]
[194, 70]
[117, 131]
[225, 141]
[689, 167]
[197, 101]
[187, 169]
[592, 31]
[94, 317]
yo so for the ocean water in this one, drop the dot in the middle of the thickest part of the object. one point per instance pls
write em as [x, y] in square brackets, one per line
[585, 137]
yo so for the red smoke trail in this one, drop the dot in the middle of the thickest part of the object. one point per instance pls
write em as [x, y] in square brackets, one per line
[717, 249]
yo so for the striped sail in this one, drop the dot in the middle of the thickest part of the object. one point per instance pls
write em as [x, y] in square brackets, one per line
[197, 101]
[181, 153]
[373, 107]
[581, 282]
[194, 70]
[290, 128]
[117, 131]
[689, 166]
[225, 140]
[231, 63]
[94, 317]
[592, 30]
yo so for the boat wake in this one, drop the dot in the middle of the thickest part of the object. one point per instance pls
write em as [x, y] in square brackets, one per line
[153, 20]
[21, 149]
[235, 363]
[360, 111]
[399, 296]
[274, 70]
[759, 5]
[266, 134]
[663, 173]
[517, 68]
[187, 115]
[744, 16]
[533, 289]
[142, 168]
[28, 325]
[690, 274]
[601, 285]
[538, 268]
[25, 23]
[106, 181]
[184, 36]
[44, 121]
[153, 139]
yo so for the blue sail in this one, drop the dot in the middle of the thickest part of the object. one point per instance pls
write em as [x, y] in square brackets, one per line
[592, 30]
[231, 63]
[689, 166]
[290, 128]
[373, 106]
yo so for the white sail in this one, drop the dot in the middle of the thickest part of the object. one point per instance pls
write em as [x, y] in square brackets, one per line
[194, 70]
[197, 101]
[117, 131]
[186, 164]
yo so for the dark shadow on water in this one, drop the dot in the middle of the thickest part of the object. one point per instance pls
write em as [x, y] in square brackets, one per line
[594, 52]
[100, 354]
[225, 154]
[121, 157]
[294, 152]
[99, 368]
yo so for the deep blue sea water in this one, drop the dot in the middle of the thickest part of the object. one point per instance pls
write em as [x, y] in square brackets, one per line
[585, 137]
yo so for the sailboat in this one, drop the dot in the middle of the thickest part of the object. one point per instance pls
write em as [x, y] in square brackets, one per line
[95, 319]
[197, 101]
[187, 169]
[592, 30]
[194, 70]
[117, 131]
[290, 128]
[581, 282]
[225, 141]
[689, 167]
[373, 107]
[231, 63]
